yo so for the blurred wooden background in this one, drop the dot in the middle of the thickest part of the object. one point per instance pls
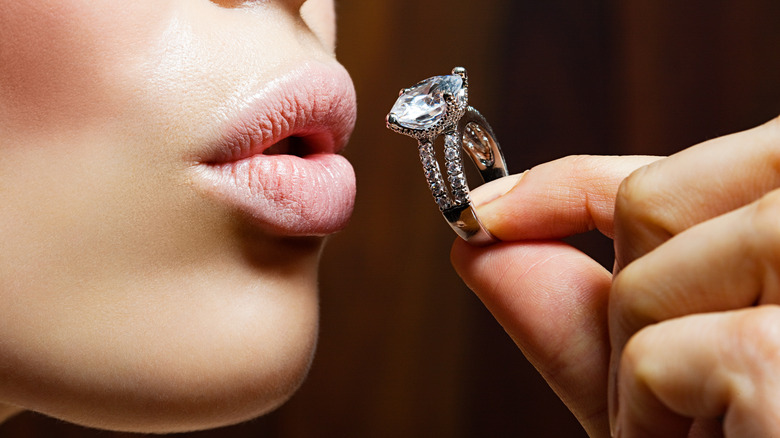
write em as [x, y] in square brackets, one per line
[406, 349]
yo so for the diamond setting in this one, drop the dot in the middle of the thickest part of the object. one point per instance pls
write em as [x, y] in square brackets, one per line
[430, 107]
[424, 105]
[426, 110]
[438, 106]
[454, 164]
[433, 175]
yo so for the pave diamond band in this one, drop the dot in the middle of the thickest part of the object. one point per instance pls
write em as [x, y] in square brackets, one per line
[438, 106]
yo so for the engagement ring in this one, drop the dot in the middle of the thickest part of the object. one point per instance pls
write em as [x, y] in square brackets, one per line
[439, 106]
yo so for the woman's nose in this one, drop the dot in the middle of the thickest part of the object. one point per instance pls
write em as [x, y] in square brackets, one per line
[319, 15]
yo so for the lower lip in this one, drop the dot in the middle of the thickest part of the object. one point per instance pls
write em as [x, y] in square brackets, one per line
[286, 194]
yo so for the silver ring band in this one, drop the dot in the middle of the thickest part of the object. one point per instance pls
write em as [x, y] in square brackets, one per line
[439, 106]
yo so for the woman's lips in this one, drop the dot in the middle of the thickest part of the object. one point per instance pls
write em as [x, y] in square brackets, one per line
[278, 164]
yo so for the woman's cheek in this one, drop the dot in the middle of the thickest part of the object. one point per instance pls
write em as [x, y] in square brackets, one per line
[59, 63]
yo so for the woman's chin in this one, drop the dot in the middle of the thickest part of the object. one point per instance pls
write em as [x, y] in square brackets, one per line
[214, 349]
[194, 399]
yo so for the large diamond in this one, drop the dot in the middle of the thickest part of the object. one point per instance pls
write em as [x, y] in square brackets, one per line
[423, 106]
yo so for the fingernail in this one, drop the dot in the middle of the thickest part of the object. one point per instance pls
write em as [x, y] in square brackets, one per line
[493, 190]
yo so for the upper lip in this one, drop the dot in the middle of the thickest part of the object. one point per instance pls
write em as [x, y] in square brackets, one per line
[314, 102]
[304, 189]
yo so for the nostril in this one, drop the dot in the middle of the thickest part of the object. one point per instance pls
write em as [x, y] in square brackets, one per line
[320, 17]
[236, 3]
[296, 4]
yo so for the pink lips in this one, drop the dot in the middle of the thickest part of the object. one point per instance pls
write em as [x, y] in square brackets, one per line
[278, 164]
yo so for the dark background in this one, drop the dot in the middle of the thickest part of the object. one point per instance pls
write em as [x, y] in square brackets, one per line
[406, 349]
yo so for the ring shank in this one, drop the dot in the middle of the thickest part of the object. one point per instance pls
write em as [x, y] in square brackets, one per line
[464, 221]
[478, 142]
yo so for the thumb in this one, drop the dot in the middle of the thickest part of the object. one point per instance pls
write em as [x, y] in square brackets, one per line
[557, 199]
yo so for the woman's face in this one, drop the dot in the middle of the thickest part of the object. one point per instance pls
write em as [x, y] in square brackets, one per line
[158, 262]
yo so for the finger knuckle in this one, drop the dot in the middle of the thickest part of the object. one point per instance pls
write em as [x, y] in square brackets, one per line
[774, 124]
[639, 355]
[768, 135]
[758, 338]
[774, 139]
[639, 203]
[628, 310]
[632, 192]
[765, 225]
[749, 363]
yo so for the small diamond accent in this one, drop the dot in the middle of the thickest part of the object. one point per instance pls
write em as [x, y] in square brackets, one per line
[454, 164]
[433, 175]
[451, 153]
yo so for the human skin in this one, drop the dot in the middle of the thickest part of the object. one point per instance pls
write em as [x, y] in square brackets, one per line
[142, 288]
[682, 339]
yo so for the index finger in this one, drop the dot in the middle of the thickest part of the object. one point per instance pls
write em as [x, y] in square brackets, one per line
[561, 198]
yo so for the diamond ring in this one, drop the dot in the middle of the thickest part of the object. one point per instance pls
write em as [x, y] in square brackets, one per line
[439, 106]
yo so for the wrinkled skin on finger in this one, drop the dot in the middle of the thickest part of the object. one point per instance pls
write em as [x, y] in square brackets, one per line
[693, 233]
[550, 297]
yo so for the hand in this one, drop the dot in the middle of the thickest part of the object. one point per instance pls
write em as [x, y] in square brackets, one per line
[695, 236]
[550, 297]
